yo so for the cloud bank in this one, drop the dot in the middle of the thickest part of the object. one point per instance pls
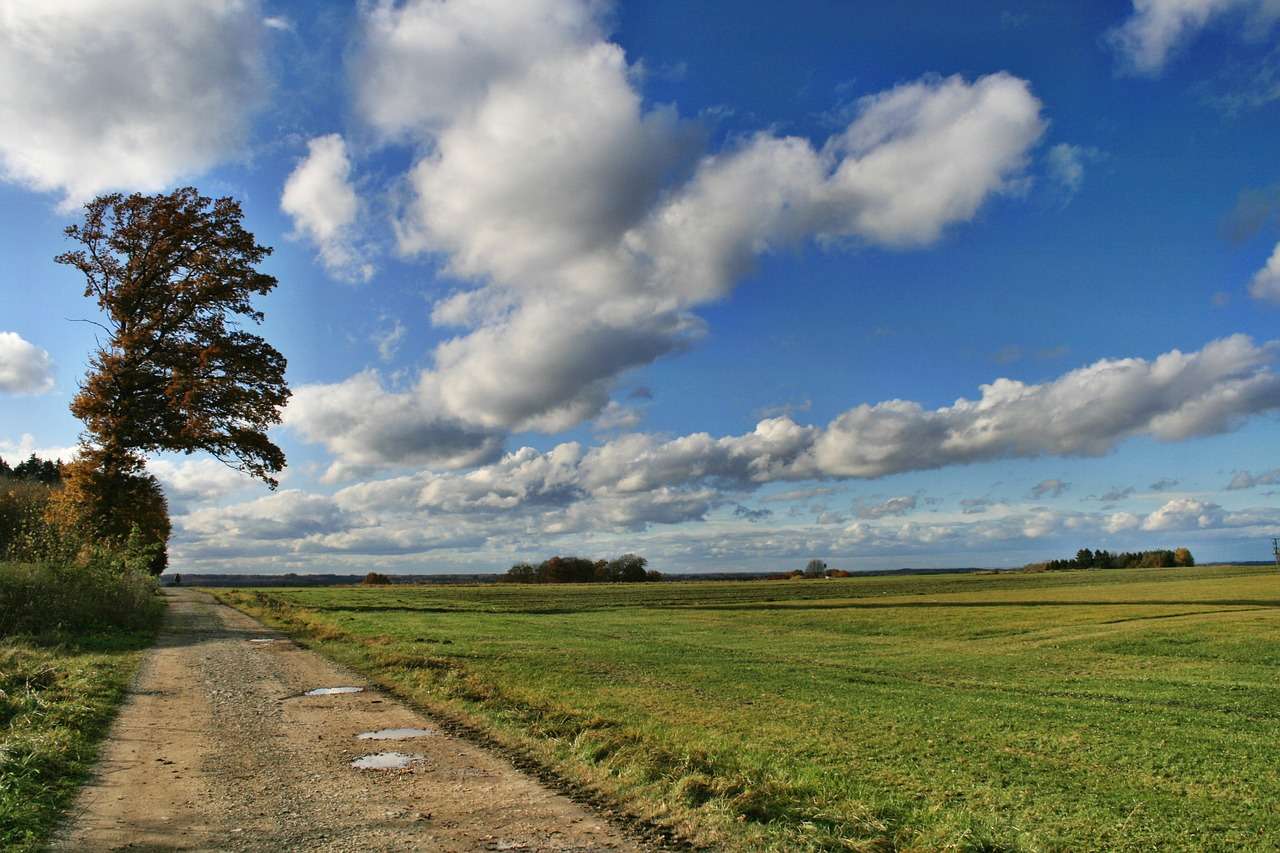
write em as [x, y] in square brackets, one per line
[587, 226]
[98, 95]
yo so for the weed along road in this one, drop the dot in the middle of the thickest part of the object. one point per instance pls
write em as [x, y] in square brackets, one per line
[220, 747]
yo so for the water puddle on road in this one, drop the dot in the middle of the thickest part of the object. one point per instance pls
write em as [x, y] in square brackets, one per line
[386, 761]
[396, 734]
[263, 641]
[332, 691]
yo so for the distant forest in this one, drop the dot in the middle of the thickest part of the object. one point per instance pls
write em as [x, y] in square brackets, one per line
[629, 568]
[34, 469]
[1101, 559]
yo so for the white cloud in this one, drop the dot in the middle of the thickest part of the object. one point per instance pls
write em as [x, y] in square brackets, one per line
[368, 427]
[124, 94]
[618, 417]
[585, 220]
[320, 198]
[197, 479]
[1266, 283]
[24, 367]
[1085, 412]
[900, 505]
[1157, 28]
[1184, 514]
[638, 479]
[289, 514]
[26, 445]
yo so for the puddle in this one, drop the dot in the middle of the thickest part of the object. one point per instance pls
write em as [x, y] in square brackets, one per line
[396, 734]
[386, 761]
[332, 691]
[262, 641]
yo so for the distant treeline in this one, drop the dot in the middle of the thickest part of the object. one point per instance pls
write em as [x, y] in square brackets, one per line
[33, 470]
[629, 568]
[1101, 559]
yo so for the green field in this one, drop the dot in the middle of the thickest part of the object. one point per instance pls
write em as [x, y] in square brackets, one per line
[1119, 710]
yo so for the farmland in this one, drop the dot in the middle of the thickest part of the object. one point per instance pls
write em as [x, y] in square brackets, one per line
[1117, 710]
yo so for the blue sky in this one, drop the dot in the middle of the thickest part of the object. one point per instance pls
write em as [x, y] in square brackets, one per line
[566, 276]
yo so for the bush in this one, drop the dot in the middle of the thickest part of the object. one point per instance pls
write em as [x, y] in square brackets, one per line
[376, 579]
[108, 591]
[27, 534]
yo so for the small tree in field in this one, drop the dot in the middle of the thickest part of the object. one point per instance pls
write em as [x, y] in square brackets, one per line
[174, 276]
[815, 569]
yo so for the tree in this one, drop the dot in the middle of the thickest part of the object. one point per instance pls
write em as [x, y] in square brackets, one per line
[174, 276]
[128, 511]
[629, 568]
[815, 569]
[1182, 557]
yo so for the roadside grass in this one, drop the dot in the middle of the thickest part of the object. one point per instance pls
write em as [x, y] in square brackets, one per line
[59, 690]
[1118, 710]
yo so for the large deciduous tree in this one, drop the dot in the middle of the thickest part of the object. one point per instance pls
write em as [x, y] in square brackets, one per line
[174, 275]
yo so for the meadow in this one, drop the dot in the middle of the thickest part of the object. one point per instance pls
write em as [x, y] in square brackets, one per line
[1108, 710]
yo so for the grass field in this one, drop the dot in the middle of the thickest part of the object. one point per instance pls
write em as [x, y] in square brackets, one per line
[56, 702]
[1121, 710]
[71, 639]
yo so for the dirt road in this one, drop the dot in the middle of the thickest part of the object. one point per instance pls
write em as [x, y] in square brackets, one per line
[218, 748]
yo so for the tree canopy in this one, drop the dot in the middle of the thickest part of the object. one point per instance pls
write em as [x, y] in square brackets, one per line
[174, 276]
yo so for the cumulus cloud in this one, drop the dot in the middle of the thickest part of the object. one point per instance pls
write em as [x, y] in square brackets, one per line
[197, 479]
[24, 367]
[98, 95]
[618, 417]
[323, 204]
[1147, 39]
[1085, 412]
[589, 226]
[1247, 480]
[289, 514]
[636, 480]
[1184, 514]
[1266, 282]
[900, 505]
[368, 427]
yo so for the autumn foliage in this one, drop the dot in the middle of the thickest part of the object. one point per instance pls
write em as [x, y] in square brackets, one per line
[173, 276]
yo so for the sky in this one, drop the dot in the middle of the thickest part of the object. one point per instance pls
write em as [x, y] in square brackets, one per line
[732, 285]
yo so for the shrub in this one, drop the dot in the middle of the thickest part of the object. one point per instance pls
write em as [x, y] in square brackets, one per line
[26, 532]
[376, 579]
[108, 591]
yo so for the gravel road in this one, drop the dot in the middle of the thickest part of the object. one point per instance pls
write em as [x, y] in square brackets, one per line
[218, 748]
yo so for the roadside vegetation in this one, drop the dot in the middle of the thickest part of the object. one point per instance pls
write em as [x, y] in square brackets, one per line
[1122, 710]
[82, 541]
